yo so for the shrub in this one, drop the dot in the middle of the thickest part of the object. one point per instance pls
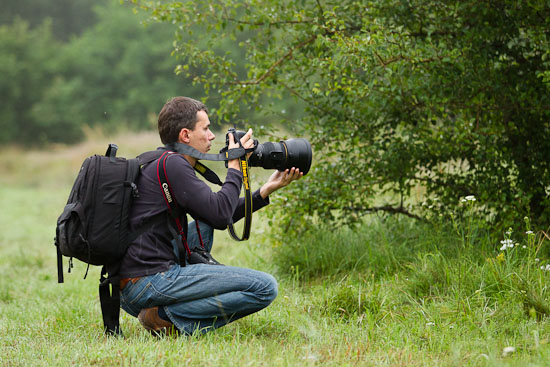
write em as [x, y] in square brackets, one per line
[449, 96]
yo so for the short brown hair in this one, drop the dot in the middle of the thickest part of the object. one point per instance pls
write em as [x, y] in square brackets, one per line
[178, 113]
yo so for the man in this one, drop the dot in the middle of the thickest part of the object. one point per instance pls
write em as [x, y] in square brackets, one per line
[164, 295]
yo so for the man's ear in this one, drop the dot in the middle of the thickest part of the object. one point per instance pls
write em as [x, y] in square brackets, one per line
[183, 136]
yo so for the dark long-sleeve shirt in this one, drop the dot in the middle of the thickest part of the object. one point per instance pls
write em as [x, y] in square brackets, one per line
[152, 251]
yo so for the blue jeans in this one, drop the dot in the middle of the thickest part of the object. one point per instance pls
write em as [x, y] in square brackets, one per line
[201, 297]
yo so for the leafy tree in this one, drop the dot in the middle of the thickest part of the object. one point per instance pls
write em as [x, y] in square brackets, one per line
[110, 70]
[27, 65]
[449, 97]
[117, 73]
[68, 17]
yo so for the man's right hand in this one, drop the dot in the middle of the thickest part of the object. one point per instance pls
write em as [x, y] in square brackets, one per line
[246, 141]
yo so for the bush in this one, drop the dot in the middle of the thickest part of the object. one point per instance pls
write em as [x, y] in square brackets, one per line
[451, 97]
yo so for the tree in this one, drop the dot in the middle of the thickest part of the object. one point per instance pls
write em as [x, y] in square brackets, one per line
[117, 73]
[68, 17]
[450, 97]
[27, 64]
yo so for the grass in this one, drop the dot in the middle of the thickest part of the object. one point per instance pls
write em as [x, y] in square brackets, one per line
[393, 292]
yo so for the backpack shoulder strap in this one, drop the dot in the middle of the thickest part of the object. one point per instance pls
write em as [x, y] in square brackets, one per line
[109, 298]
[148, 157]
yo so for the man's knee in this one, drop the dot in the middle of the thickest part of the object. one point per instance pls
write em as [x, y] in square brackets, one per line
[270, 289]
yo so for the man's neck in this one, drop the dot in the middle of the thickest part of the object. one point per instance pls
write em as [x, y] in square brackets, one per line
[190, 159]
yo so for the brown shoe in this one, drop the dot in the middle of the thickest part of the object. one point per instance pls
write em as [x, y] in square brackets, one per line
[151, 321]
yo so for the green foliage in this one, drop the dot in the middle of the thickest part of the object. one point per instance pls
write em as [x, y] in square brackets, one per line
[448, 96]
[23, 83]
[111, 80]
[379, 247]
[116, 74]
[436, 264]
[68, 17]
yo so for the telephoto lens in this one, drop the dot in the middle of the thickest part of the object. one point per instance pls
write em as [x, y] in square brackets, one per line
[283, 155]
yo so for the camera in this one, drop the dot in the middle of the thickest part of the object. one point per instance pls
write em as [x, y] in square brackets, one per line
[283, 155]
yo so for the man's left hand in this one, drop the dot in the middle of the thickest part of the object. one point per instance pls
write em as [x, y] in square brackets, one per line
[280, 179]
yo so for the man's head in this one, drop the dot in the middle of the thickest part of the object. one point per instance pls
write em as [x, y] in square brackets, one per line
[177, 114]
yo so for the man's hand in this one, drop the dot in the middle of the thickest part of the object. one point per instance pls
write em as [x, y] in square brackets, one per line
[247, 143]
[280, 179]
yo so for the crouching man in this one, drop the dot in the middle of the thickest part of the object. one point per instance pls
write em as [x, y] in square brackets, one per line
[165, 296]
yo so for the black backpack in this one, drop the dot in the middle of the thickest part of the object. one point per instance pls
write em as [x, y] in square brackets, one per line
[94, 226]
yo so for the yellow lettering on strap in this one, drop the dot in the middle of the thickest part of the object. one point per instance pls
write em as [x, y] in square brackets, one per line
[244, 169]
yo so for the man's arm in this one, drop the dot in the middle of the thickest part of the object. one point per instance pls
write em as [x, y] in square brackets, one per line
[196, 197]
[260, 198]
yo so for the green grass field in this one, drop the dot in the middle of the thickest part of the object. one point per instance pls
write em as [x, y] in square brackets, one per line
[393, 292]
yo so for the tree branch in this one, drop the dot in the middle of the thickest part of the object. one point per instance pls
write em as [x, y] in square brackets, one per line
[259, 24]
[385, 208]
[321, 10]
[270, 70]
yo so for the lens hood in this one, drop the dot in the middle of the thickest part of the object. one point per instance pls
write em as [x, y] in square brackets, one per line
[299, 154]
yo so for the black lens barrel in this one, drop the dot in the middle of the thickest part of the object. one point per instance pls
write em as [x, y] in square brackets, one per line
[268, 156]
[282, 155]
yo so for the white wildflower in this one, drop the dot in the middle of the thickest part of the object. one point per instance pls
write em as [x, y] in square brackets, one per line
[524, 246]
[470, 198]
[430, 324]
[507, 243]
[537, 260]
[463, 200]
[508, 350]
[529, 232]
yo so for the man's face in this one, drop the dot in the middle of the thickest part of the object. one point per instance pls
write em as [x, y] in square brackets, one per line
[201, 137]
